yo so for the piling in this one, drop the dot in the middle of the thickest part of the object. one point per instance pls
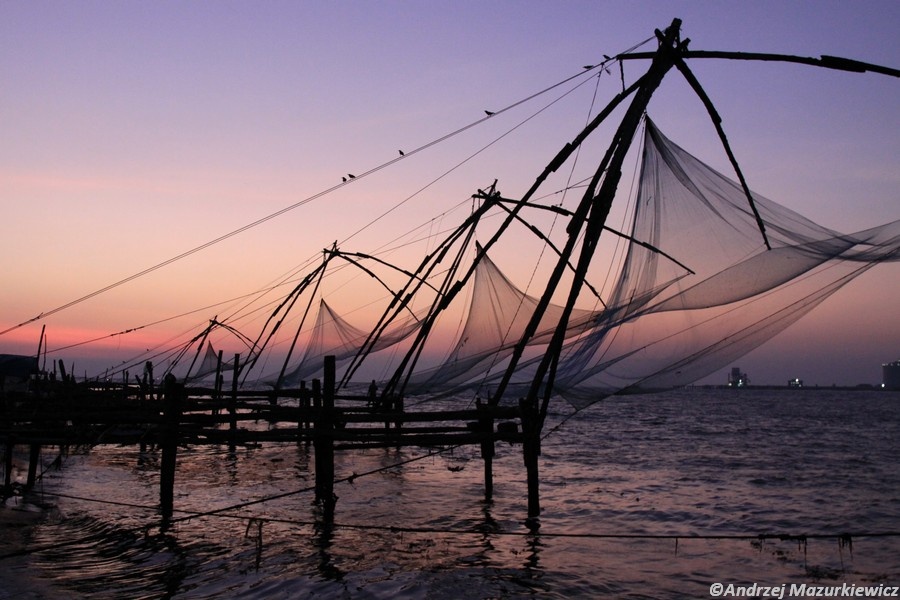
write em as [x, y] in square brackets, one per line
[181, 416]
[8, 463]
[486, 428]
[324, 441]
[303, 405]
[34, 459]
[169, 445]
[531, 450]
[232, 405]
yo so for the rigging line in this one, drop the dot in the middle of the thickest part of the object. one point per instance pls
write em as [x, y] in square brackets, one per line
[349, 479]
[278, 213]
[260, 221]
[222, 513]
[143, 357]
[427, 267]
[169, 261]
[531, 534]
[546, 238]
[289, 208]
[465, 160]
[385, 249]
[312, 296]
[146, 325]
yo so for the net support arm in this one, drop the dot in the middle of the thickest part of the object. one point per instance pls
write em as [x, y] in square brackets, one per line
[717, 122]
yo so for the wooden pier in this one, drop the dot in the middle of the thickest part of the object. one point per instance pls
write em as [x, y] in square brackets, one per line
[66, 414]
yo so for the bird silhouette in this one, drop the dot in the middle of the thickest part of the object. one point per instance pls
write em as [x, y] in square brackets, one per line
[488, 113]
[401, 152]
[351, 175]
[344, 179]
[588, 67]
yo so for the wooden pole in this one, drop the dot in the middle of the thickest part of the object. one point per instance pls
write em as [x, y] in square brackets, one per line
[317, 434]
[303, 406]
[232, 404]
[531, 450]
[148, 378]
[7, 480]
[217, 386]
[486, 427]
[324, 443]
[169, 443]
[33, 459]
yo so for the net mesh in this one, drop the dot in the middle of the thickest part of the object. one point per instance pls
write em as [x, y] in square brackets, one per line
[697, 289]
[670, 322]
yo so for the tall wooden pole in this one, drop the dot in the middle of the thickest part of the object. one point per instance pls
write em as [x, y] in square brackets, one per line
[324, 443]
[169, 443]
[670, 47]
[587, 223]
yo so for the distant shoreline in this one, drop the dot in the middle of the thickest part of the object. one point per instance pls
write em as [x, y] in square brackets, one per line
[862, 387]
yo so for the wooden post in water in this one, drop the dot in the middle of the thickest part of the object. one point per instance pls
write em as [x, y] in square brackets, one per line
[33, 459]
[169, 443]
[235, 376]
[148, 378]
[7, 464]
[232, 405]
[324, 442]
[486, 427]
[303, 407]
[531, 450]
[217, 386]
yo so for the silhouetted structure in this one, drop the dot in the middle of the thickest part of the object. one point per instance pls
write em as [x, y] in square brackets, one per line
[737, 379]
[890, 375]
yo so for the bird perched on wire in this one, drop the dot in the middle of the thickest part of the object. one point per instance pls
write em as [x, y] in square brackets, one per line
[401, 152]
[488, 113]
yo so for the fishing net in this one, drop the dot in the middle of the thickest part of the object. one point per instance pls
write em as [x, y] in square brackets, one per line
[334, 335]
[209, 364]
[714, 293]
[697, 289]
[668, 325]
[498, 314]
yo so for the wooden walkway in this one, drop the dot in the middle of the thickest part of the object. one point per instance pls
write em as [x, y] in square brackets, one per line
[65, 414]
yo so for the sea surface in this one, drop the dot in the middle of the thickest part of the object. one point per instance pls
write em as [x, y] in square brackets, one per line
[655, 496]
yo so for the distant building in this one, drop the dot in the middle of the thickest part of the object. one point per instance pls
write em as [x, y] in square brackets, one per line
[16, 370]
[737, 379]
[795, 383]
[890, 375]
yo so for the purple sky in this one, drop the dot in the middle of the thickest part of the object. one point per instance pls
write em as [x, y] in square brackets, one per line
[133, 132]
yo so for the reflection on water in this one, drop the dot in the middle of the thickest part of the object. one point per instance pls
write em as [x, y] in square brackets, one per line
[680, 464]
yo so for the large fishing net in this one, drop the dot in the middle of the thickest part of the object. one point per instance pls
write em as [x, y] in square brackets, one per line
[498, 314]
[714, 293]
[697, 289]
[334, 335]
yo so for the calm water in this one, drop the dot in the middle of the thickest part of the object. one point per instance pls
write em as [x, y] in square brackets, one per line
[687, 463]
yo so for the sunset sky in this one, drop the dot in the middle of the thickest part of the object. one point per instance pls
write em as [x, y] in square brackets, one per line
[134, 132]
